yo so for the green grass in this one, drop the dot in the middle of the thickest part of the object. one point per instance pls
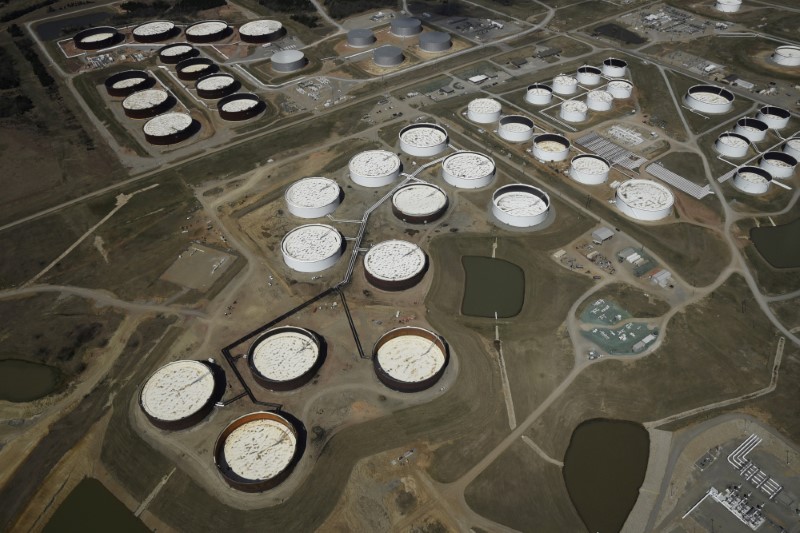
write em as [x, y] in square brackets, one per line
[632, 299]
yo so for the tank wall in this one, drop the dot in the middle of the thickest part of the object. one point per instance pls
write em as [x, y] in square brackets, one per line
[640, 214]
[519, 221]
[730, 151]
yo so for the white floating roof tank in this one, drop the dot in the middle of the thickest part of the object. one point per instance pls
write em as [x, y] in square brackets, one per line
[775, 117]
[792, 147]
[752, 128]
[435, 41]
[240, 106]
[779, 164]
[179, 394]
[468, 170]
[483, 110]
[261, 31]
[288, 61]
[515, 128]
[752, 180]
[172, 54]
[599, 100]
[128, 81]
[615, 68]
[313, 197]
[410, 359]
[169, 128]
[312, 248]
[644, 199]
[423, 139]
[395, 265]
[405, 26]
[732, 144]
[787, 56]
[155, 31]
[207, 31]
[147, 103]
[550, 147]
[588, 75]
[194, 68]
[539, 94]
[520, 205]
[728, 6]
[565, 84]
[620, 89]
[573, 111]
[709, 99]
[285, 358]
[419, 203]
[589, 169]
[257, 451]
[360, 37]
[97, 38]
[374, 168]
[216, 86]
[388, 56]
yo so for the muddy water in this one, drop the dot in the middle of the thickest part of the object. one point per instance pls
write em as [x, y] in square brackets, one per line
[492, 285]
[52, 29]
[779, 245]
[603, 469]
[23, 381]
[91, 507]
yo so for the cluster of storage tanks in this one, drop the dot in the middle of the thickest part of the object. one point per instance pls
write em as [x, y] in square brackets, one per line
[389, 56]
[748, 132]
[603, 85]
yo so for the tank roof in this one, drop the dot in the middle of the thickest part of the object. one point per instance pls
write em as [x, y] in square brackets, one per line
[312, 242]
[176, 49]
[167, 124]
[215, 81]
[374, 163]
[590, 164]
[646, 195]
[285, 355]
[521, 203]
[156, 27]
[260, 27]
[177, 390]
[145, 99]
[313, 192]
[484, 105]
[260, 449]
[208, 27]
[423, 136]
[419, 199]
[410, 358]
[287, 56]
[394, 260]
[469, 165]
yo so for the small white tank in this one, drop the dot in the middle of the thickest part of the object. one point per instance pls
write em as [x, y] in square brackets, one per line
[728, 6]
[787, 56]
[565, 84]
[615, 68]
[599, 100]
[515, 128]
[752, 128]
[550, 147]
[573, 111]
[778, 164]
[732, 144]
[589, 169]
[588, 75]
[483, 110]
[775, 117]
[792, 147]
[752, 180]
[620, 89]
[539, 94]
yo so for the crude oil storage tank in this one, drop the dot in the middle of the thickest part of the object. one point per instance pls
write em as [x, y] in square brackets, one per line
[775, 117]
[483, 110]
[644, 199]
[515, 128]
[410, 359]
[752, 180]
[374, 168]
[599, 100]
[173, 54]
[550, 147]
[539, 94]
[261, 31]
[312, 248]
[423, 139]
[147, 103]
[240, 106]
[170, 128]
[787, 56]
[258, 451]
[728, 6]
[215, 86]
[615, 68]
[405, 26]
[155, 31]
[779, 164]
[313, 197]
[732, 144]
[395, 265]
[589, 169]
[792, 147]
[208, 31]
[286, 357]
[709, 99]
[195, 68]
[620, 89]
[419, 203]
[520, 205]
[127, 82]
[468, 170]
[97, 38]
[565, 84]
[573, 111]
[588, 75]
[751, 128]
[360, 37]
[181, 393]
[435, 41]
[388, 56]
[288, 61]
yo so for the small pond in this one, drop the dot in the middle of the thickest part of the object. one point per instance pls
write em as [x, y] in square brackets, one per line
[492, 285]
[91, 507]
[23, 381]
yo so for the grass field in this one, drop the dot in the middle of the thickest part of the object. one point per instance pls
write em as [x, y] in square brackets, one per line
[634, 300]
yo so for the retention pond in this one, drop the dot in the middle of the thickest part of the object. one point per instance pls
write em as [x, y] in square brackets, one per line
[91, 507]
[603, 469]
[492, 286]
[779, 244]
[23, 381]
